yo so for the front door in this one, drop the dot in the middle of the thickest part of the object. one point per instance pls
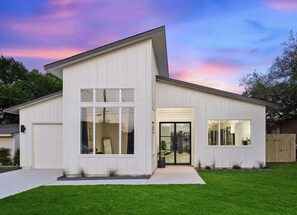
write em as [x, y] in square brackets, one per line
[177, 136]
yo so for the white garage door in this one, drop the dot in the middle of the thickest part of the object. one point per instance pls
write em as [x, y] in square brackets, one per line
[48, 147]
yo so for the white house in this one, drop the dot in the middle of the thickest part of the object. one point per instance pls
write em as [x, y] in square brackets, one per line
[9, 137]
[118, 103]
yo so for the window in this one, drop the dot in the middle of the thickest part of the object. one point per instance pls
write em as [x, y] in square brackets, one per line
[213, 132]
[86, 120]
[229, 132]
[86, 95]
[106, 129]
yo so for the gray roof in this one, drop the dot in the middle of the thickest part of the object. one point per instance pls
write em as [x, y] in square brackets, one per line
[214, 91]
[9, 128]
[15, 109]
[159, 45]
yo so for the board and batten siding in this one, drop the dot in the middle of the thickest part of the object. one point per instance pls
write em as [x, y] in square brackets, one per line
[208, 107]
[128, 67]
[46, 112]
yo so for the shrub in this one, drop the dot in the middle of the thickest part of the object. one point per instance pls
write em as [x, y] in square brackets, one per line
[213, 165]
[261, 165]
[65, 173]
[236, 166]
[207, 167]
[16, 158]
[112, 172]
[5, 159]
[199, 165]
[81, 172]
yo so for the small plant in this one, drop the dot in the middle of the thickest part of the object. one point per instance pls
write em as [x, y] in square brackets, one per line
[199, 165]
[163, 150]
[261, 165]
[5, 159]
[236, 166]
[81, 172]
[65, 173]
[112, 172]
[213, 165]
[207, 167]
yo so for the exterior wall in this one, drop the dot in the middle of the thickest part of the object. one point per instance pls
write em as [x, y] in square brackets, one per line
[154, 145]
[49, 111]
[7, 142]
[207, 107]
[128, 67]
[16, 142]
[12, 143]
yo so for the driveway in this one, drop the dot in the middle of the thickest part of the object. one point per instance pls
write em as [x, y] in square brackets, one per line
[25, 179]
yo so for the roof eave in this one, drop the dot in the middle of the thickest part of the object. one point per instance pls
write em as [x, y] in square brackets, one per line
[15, 109]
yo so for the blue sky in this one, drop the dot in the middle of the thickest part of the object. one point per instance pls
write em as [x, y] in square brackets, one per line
[210, 42]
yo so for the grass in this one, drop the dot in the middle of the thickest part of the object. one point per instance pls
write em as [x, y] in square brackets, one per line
[273, 192]
[7, 169]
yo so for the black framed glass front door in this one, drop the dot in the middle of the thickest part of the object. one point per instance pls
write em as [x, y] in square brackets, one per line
[177, 137]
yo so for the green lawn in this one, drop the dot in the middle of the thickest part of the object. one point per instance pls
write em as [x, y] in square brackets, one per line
[7, 169]
[250, 193]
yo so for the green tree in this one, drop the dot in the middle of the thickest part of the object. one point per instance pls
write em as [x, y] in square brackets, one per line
[279, 84]
[18, 85]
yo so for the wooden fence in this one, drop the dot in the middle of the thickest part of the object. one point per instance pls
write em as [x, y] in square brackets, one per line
[280, 147]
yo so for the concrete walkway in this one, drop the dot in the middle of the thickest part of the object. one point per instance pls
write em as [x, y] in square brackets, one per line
[168, 175]
[18, 181]
[176, 175]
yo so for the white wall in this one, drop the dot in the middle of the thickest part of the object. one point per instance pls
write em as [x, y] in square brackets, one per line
[49, 111]
[128, 67]
[7, 142]
[207, 107]
[154, 144]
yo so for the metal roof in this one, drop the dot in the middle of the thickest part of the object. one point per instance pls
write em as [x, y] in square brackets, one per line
[9, 129]
[214, 91]
[157, 36]
[15, 109]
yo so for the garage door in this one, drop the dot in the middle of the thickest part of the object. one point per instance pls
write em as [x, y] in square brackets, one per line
[48, 147]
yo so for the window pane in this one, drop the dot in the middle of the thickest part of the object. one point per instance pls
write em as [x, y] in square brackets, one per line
[107, 130]
[107, 95]
[230, 132]
[213, 132]
[86, 130]
[127, 95]
[86, 95]
[127, 131]
[245, 132]
[100, 95]
[112, 95]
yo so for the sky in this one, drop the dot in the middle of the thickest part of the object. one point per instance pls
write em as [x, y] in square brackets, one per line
[209, 42]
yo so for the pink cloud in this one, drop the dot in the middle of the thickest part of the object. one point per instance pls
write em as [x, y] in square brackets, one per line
[207, 73]
[55, 54]
[201, 79]
[282, 4]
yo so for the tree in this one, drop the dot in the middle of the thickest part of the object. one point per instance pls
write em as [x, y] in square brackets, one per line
[278, 85]
[18, 85]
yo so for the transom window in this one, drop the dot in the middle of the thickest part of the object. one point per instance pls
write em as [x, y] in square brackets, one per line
[107, 129]
[229, 132]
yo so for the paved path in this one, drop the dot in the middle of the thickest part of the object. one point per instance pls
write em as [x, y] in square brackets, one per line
[168, 175]
[18, 181]
[176, 175]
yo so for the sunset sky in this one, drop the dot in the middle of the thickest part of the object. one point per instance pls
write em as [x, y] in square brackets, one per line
[209, 42]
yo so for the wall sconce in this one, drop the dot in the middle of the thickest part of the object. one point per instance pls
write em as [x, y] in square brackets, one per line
[23, 128]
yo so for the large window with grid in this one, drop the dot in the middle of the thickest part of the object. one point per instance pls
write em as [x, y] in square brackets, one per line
[107, 121]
